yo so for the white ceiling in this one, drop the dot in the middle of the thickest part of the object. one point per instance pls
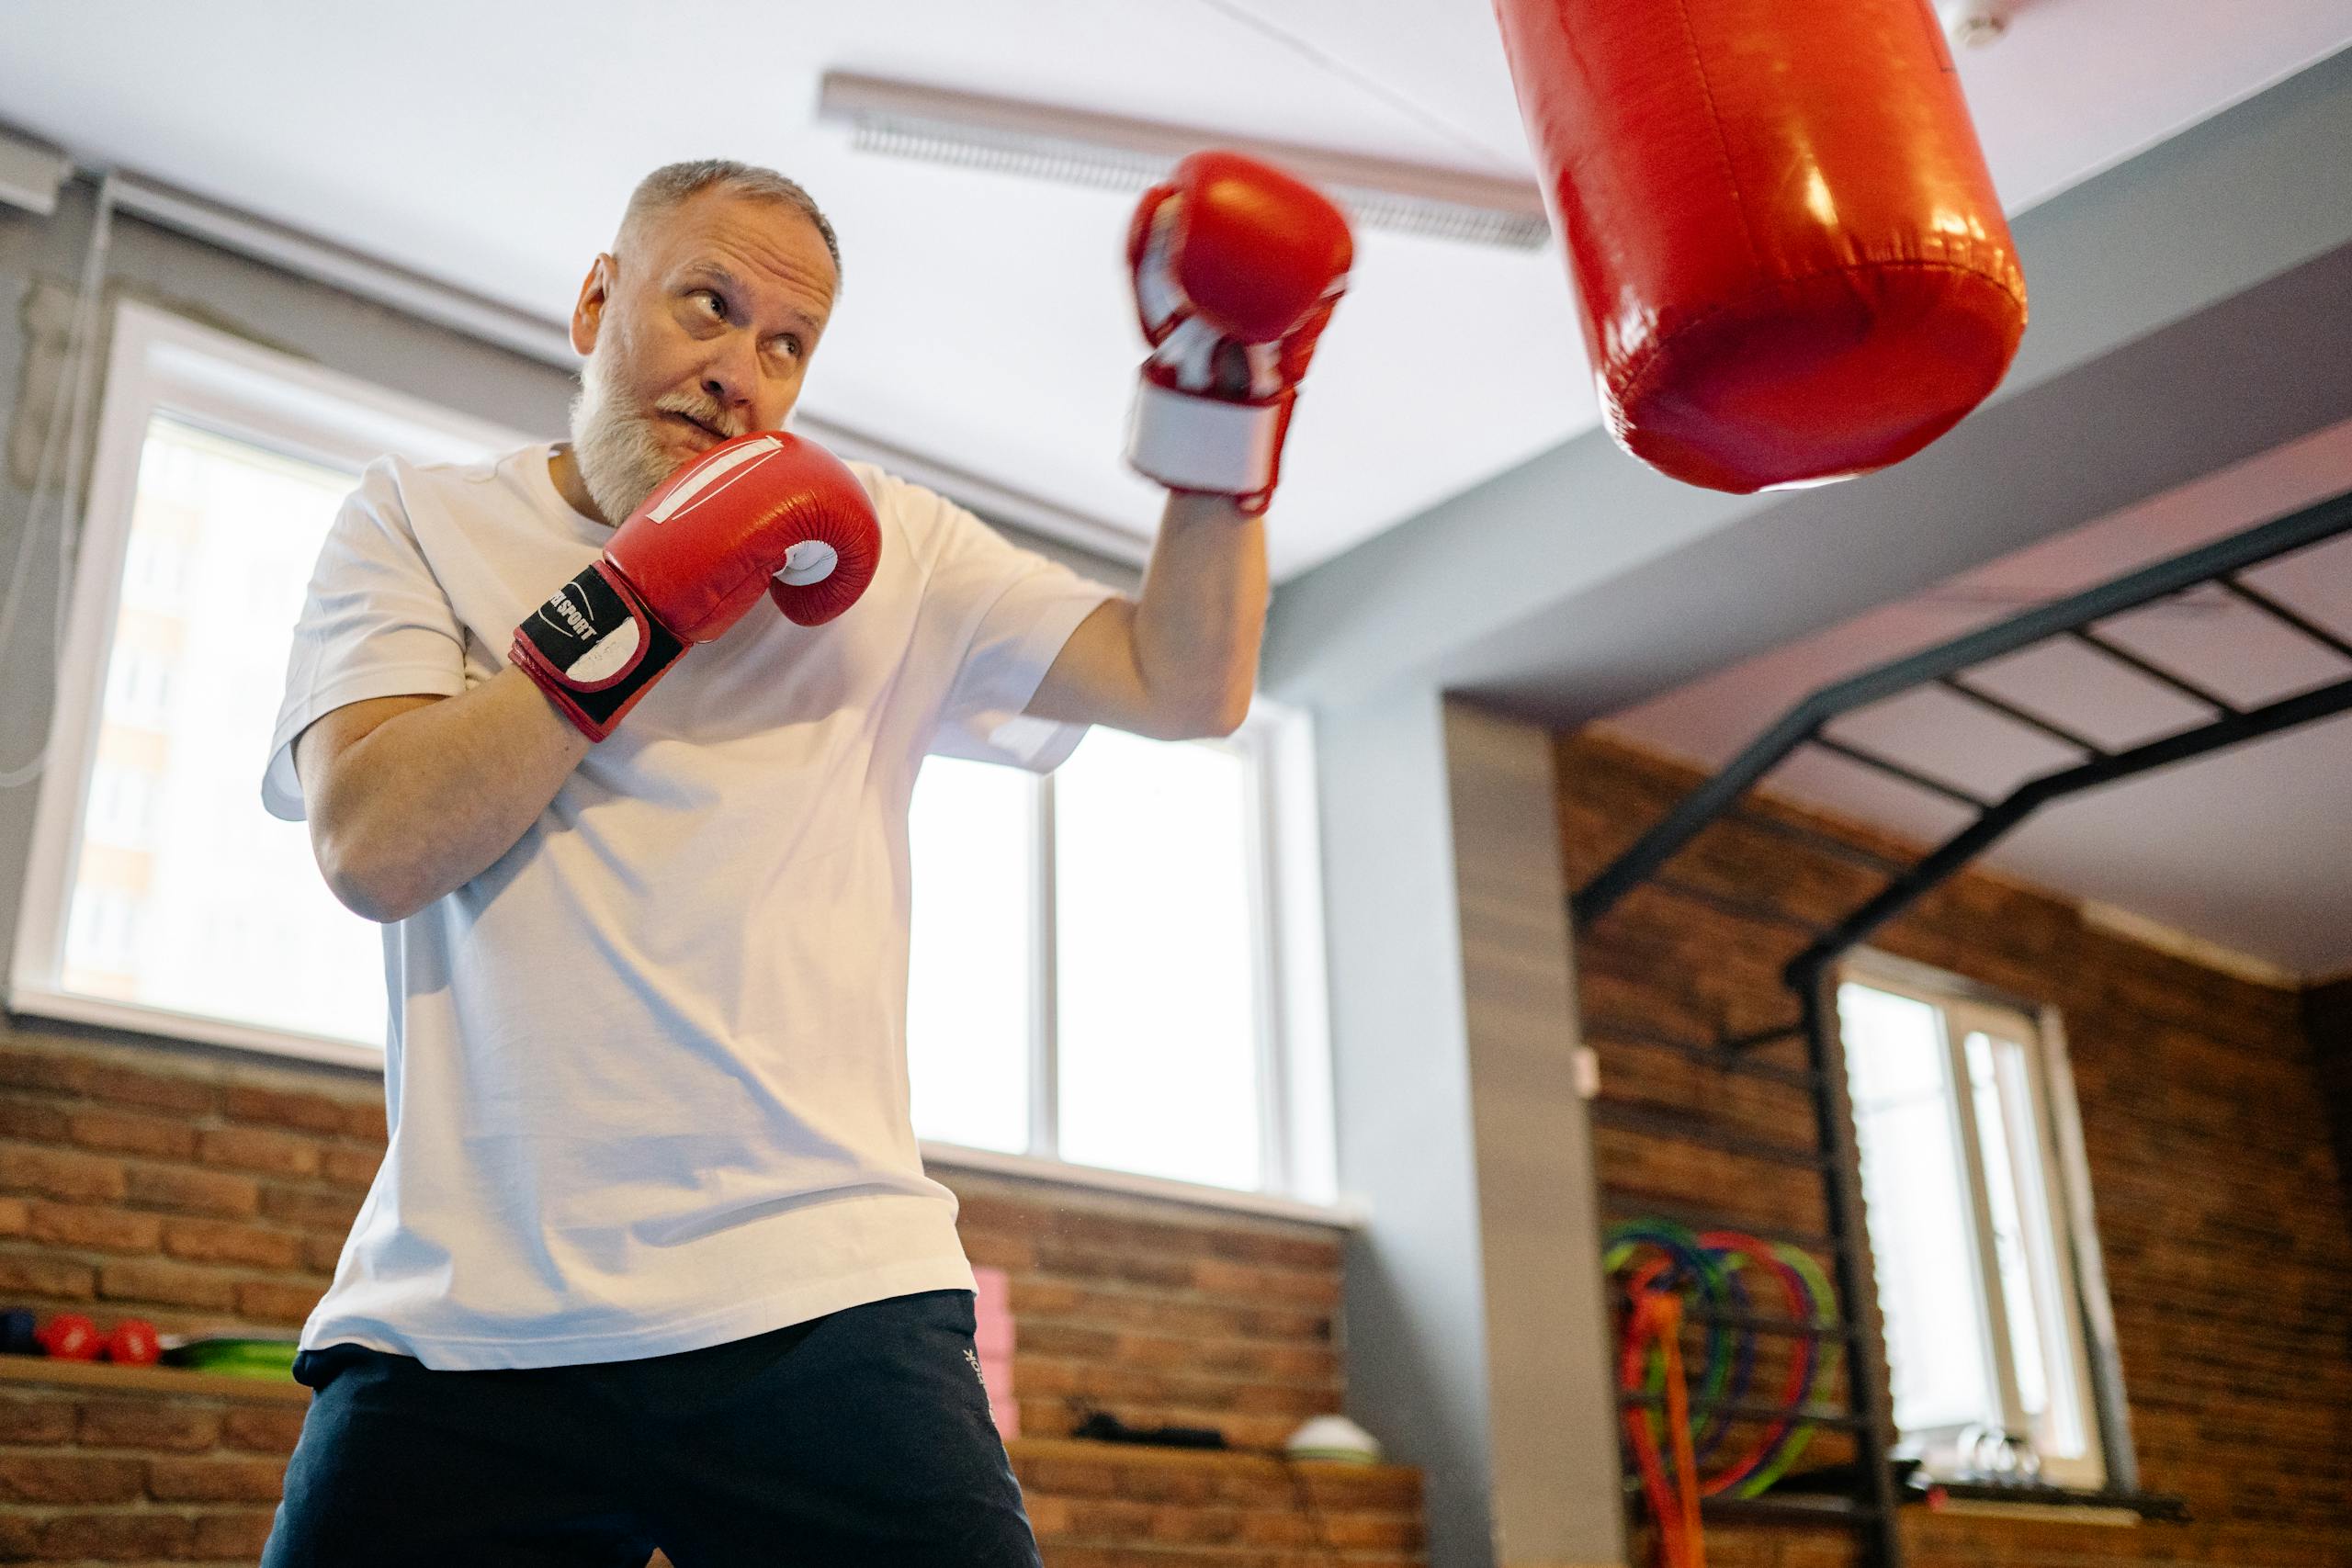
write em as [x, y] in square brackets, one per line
[984, 322]
[2245, 849]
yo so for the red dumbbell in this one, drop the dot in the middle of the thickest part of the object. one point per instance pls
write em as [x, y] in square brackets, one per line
[70, 1337]
[133, 1343]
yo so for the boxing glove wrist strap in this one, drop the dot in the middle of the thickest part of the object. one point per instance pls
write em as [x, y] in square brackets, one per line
[594, 647]
[1189, 442]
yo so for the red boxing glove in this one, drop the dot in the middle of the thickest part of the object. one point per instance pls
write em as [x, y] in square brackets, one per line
[133, 1343]
[766, 512]
[1237, 269]
[70, 1337]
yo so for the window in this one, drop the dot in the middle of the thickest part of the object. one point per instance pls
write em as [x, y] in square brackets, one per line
[1972, 1227]
[1114, 966]
[1117, 966]
[160, 895]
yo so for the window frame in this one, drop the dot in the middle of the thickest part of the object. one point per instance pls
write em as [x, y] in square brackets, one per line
[1966, 1007]
[159, 363]
[1297, 1143]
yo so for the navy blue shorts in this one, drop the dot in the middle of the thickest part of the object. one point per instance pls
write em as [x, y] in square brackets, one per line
[862, 1438]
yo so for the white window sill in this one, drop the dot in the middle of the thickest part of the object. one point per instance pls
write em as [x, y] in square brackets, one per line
[1344, 1215]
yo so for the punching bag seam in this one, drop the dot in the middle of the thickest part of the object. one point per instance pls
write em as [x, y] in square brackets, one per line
[1715, 125]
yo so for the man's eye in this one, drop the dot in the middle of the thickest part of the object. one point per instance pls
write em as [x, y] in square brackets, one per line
[717, 305]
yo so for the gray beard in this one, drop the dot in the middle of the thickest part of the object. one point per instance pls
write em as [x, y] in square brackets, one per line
[619, 453]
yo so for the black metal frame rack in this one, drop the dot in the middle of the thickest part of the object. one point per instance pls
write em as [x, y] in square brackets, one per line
[1871, 1505]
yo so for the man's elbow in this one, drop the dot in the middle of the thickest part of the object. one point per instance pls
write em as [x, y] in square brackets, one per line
[1212, 718]
[371, 885]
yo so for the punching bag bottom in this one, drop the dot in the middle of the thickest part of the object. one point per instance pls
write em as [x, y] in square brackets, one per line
[1817, 379]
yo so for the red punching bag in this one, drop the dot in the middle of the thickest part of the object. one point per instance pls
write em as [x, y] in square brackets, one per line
[1788, 256]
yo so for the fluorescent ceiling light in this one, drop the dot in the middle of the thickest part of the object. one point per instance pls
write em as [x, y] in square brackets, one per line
[1007, 135]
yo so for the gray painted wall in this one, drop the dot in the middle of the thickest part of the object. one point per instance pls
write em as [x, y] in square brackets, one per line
[1414, 1308]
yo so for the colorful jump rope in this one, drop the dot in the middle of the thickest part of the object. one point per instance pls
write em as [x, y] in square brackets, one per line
[1667, 1271]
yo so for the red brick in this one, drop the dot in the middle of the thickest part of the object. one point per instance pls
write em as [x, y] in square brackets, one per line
[125, 1131]
[95, 1228]
[36, 1420]
[15, 1217]
[216, 1480]
[281, 1108]
[309, 1209]
[260, 1149]
[45, 1070]
[59, 1173]
[193, 1191]
[176, 1284]
[322, 1254]
[352, 1167]
[69, 1478]
[36, 1120]
[116, 1537]
[40, 1274]
[221, 1241]
[232, 1537]
[147, 1423]
[365, 1122]
[267, 1301]
[262, 1430]
[155, 1091]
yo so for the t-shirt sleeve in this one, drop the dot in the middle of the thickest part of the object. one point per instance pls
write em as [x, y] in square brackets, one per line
[375, 624]
[1014, 609]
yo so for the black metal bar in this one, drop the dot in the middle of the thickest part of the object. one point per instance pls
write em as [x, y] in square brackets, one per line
[1867, 1388]
[1895, 770]
[2270, 606]
[2010, 711]
[1768, 1323]
[1715, 1057]
[1778, 1508]
[2155, 673]
[2320, 701]
[1815, 838]
[1774, 1508]
[1654, 1124]
[1706, 802]
[1756, 1409]
[1742, 908]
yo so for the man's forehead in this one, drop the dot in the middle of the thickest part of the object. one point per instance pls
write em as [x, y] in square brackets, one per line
[774, 240]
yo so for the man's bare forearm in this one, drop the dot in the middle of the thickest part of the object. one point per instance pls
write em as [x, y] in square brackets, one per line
[426, 801]
[1201, 611]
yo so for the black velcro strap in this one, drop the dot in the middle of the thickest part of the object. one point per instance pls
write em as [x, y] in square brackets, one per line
[599, 643]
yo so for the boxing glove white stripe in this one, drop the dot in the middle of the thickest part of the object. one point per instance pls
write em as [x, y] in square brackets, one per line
[708, 474]
[1203, 444]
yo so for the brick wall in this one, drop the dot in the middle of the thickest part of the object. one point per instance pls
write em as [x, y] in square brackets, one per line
[2225, 1228]
[204, 1191]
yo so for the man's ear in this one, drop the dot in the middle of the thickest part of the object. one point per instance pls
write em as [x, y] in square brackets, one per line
[596, 293]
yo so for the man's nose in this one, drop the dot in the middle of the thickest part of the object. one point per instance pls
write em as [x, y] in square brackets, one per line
[731, 379]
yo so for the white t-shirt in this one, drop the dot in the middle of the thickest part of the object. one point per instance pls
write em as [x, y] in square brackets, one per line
[645, 1076]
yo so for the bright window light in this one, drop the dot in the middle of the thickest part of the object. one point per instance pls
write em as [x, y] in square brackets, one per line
[1157, 973]
[185, 895]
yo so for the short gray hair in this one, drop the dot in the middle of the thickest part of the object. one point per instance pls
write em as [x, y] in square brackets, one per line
[669, 187]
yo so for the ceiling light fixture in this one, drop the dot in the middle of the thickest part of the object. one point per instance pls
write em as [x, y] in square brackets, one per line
[1076, 147]
[1975, 22]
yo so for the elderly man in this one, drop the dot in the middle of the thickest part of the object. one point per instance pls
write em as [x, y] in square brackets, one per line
[651, 1260]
